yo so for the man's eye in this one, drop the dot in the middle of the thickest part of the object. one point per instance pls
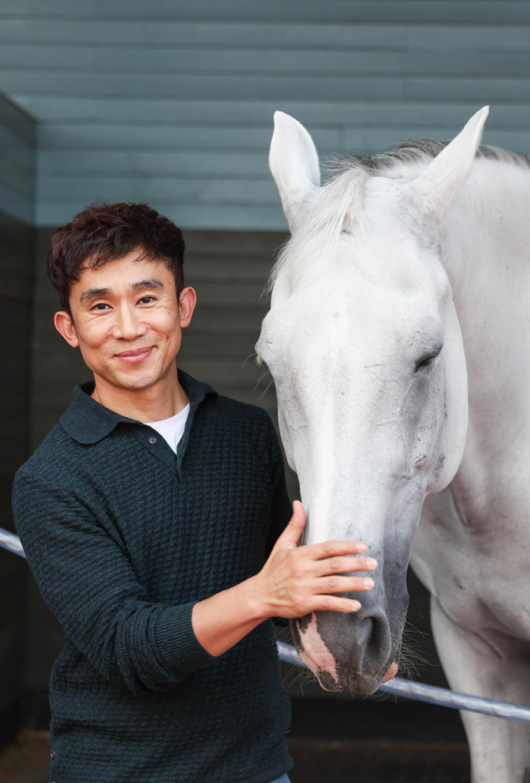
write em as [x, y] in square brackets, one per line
[100, 306]
[146, 300]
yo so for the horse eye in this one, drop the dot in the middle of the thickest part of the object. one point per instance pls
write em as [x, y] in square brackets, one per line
[422, 363]
[426, 361]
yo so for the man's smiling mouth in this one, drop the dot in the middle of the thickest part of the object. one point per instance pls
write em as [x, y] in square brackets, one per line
[135, 356]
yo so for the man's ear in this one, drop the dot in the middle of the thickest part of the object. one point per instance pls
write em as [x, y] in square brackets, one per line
[187, 302]
[66, 328]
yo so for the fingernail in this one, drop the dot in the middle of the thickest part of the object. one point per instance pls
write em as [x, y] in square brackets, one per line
[371, 563]
[355, 606]
[368, 583]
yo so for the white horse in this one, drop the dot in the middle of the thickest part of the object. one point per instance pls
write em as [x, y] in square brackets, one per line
[399, 342]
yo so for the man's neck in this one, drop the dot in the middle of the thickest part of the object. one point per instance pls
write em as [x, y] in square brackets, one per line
[161, 401]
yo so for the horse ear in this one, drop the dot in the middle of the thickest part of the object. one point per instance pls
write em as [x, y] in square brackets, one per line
[431, 194]
[293, 160]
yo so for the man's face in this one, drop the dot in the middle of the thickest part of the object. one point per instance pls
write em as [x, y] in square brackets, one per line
[126, 320]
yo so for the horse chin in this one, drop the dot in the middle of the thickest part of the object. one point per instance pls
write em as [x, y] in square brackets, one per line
[345, 656]
[331, 680]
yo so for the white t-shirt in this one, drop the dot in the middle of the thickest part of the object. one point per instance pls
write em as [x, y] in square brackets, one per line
[172, 429]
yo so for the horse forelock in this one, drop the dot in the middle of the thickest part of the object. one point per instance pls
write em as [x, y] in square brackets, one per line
[321, 225]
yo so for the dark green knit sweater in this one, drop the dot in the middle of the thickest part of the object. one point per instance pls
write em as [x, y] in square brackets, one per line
[123, 538]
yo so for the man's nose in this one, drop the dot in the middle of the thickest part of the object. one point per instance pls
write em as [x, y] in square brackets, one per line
[128, 325]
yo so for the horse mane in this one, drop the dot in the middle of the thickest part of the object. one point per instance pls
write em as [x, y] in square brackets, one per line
[342, 192]
[418, 151]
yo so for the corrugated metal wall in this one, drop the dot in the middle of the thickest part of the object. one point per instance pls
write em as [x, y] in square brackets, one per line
[171, 101]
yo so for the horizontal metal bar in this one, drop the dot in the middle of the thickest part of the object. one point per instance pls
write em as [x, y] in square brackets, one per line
[431, 694]
[11, 542]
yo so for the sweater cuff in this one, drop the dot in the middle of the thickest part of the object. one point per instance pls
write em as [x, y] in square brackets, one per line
[177, 644]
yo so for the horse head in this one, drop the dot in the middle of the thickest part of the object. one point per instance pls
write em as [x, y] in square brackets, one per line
[364, 345]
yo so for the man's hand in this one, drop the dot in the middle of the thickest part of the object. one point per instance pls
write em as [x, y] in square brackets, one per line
[297, 580]
[293, 582]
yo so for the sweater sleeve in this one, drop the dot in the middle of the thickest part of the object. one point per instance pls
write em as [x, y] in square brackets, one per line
[282, 509]
[89, 583]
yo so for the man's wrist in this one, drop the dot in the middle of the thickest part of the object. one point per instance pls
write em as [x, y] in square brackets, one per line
[253, 598]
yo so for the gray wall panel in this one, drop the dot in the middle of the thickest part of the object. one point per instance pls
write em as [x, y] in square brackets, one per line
[160, 189]
[489, 11]
[44, 60]
[128, 32]
[320, 113]
[244, 217]
[148, 99]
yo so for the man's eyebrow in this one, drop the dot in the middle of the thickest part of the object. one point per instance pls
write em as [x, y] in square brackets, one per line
[141, 285]
[93, 293]
[150, 282]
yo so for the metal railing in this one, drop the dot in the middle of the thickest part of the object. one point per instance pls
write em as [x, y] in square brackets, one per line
[397, 686]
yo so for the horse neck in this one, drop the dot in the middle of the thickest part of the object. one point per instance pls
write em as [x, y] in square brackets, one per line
[485, 242]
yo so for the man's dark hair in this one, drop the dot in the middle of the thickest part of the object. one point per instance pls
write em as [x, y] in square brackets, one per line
[106, 232]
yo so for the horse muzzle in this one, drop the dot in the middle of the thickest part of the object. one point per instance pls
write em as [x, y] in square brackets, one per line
[349, 652]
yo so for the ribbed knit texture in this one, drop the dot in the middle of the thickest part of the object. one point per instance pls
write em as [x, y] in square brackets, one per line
[123, 537]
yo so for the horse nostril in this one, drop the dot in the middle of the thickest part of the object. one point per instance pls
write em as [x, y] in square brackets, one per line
[375, 644]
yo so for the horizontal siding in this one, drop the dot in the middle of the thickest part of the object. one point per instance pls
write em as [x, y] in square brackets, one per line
[171, 102]
[204, 167]
[200, 164]
[16, 205]
[164, 189]
[459, 11]
[17, 162]
[98, 114]
[17, 123]
[46, 61]
[240, 217]
[64, 137]
[254, 86]
[130, 33]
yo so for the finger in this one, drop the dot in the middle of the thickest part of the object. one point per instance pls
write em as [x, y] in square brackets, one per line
[334, 548]
[344, 584]
[293, 531]
[391, 672]
[344, 565]
[331, 603]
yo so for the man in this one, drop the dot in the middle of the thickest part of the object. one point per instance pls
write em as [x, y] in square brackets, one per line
[154, 518]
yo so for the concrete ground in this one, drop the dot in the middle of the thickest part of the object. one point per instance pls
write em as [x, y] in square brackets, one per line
[26, 759]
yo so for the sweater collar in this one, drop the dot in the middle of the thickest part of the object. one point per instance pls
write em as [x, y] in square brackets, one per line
[88, 422]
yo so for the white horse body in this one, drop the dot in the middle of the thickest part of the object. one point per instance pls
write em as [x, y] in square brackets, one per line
[472, 550]
[393, 271]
